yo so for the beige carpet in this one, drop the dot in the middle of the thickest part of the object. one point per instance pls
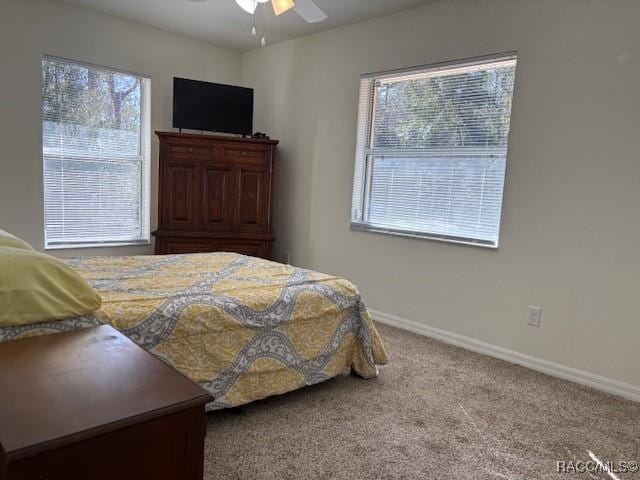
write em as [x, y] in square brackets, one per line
[435, 412]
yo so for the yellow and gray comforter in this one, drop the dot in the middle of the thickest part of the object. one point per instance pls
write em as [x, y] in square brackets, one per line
[242, 327]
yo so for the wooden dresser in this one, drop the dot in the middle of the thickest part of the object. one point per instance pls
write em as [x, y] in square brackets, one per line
[92, 405]
[215, 194]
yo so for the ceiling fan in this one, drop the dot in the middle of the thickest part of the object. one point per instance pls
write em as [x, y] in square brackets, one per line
[307, 9]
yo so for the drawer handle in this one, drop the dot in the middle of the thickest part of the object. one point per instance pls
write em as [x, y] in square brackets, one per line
[190, 150]
[244, 154]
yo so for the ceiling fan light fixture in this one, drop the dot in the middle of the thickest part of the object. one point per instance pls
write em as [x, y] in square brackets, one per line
[281, 6]
[249, 6]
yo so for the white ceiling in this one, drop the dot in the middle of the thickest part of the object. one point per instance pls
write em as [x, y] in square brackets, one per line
[224, 23]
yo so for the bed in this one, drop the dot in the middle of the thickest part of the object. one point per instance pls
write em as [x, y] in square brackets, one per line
[242, 327]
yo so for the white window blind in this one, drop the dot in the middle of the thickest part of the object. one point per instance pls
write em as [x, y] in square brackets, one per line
[432, 150]
[95, 144]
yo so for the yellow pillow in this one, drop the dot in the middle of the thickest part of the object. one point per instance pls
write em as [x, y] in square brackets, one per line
[35, 287]
[8, 240]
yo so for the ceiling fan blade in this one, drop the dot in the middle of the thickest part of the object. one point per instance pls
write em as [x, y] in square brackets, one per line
[309, 11]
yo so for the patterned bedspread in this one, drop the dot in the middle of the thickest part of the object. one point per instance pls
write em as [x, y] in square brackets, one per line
[242, 327]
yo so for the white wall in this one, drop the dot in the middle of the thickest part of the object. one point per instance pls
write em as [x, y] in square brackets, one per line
[31, 28]
[571, 220]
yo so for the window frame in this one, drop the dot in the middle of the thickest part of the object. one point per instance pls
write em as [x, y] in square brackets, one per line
[365, 150]
[144, 158]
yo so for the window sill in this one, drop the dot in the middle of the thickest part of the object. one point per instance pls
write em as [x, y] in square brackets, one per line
[71, 246]
[364, 227]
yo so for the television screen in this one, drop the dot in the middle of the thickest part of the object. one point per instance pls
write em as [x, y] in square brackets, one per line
[212, 106]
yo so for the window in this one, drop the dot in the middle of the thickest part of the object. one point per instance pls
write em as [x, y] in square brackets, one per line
[95, 145]
[432, 150]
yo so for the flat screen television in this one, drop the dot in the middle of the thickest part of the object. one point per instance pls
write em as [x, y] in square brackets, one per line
[212, 106]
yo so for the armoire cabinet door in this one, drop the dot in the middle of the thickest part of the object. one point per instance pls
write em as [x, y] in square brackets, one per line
[181, 196]
[252, 199]
[217, 197]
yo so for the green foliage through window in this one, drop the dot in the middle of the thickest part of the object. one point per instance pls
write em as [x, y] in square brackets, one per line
[468, 109]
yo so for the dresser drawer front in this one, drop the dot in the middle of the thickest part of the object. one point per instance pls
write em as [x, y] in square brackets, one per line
[186, 245]
[252, 248]
[242, 152]
[181, 245]
[196, 152]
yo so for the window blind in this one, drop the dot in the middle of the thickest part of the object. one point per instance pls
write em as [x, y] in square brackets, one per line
[432, 150]
[95, 144]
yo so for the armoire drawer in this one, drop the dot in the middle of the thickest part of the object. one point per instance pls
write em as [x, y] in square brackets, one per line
[196, 152]
[240, 152]
[179, 245]
[186, 245]
[253, 248]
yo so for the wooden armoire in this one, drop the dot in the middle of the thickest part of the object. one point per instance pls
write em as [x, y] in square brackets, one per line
[215, 194]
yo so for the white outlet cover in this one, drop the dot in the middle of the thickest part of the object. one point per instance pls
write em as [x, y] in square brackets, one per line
[534, 316]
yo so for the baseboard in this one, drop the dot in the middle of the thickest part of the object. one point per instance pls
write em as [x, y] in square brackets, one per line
[604, 384]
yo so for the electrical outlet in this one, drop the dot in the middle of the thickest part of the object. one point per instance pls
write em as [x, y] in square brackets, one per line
[285, 258]
[534, 316]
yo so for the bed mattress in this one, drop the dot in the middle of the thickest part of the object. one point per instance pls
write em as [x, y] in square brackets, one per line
[242, 327]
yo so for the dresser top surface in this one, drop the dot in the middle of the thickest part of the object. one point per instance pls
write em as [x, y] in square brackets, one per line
[61, 388]
[214, 137]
